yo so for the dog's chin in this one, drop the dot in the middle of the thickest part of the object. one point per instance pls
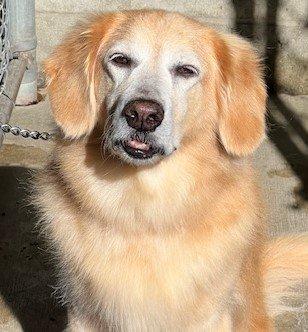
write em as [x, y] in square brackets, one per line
[138, 154]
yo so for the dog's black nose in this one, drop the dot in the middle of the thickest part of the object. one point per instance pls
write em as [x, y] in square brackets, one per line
[143, 115]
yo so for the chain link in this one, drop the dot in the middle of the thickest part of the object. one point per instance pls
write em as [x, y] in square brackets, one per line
[25, 133]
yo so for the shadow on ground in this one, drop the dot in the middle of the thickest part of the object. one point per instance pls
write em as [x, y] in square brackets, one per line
[25, 276]
[244, 24]
[279, 133]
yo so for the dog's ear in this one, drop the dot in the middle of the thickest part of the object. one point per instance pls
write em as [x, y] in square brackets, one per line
[241, 96]
[72, 73]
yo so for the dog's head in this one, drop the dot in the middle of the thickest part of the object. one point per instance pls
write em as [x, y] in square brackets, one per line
[153, 81]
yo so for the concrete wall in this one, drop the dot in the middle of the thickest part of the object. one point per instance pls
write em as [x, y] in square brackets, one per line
[279, 28]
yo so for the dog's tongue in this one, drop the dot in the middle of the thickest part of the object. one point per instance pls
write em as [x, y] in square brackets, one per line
[138, 145]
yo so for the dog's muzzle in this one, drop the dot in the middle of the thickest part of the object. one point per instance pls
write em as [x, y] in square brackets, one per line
[144, 116]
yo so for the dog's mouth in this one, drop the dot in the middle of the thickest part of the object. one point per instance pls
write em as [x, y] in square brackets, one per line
[138, 146]
[139, 150]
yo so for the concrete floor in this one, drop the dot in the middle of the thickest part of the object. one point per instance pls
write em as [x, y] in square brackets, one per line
[26, 279]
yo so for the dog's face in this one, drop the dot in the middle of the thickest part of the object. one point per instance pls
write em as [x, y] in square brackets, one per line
[151, 79]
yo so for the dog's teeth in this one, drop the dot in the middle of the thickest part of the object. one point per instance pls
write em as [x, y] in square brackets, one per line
[138, 145]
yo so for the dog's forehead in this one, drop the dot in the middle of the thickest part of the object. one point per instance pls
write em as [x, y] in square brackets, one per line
[171, 36]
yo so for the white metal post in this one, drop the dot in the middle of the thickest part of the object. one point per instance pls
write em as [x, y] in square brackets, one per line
[23, 41]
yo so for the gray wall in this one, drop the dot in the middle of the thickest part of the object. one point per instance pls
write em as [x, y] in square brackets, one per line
[279, 28]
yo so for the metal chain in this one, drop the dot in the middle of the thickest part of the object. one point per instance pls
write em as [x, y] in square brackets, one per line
[25, 133]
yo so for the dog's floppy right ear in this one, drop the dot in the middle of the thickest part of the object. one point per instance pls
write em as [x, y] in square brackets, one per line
[72, 75]
[242, 96]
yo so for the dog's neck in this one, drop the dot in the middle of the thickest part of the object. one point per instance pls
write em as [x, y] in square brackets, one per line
[179, 183]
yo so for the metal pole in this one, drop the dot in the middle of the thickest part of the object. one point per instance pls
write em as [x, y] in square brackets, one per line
[16, 71]
[23, 41]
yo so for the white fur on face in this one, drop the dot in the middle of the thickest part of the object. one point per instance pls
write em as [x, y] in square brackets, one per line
[152, 75]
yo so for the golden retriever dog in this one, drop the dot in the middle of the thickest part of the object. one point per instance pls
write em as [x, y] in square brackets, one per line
[150, 202]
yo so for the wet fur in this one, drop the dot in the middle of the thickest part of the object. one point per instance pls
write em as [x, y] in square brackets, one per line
[174, 246]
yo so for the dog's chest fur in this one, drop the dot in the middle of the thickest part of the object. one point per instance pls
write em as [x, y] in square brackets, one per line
[146, 279]
[137, 282]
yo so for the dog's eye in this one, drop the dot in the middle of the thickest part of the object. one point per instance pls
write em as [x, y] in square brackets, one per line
[185, 71]
[121, 60]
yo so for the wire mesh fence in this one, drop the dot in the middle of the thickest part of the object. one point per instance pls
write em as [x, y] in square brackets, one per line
[5, 44]
[12, 68]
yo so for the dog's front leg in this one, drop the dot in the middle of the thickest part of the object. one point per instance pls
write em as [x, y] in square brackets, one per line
[250, 314]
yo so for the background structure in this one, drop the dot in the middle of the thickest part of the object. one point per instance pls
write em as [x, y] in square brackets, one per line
[278, 28]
